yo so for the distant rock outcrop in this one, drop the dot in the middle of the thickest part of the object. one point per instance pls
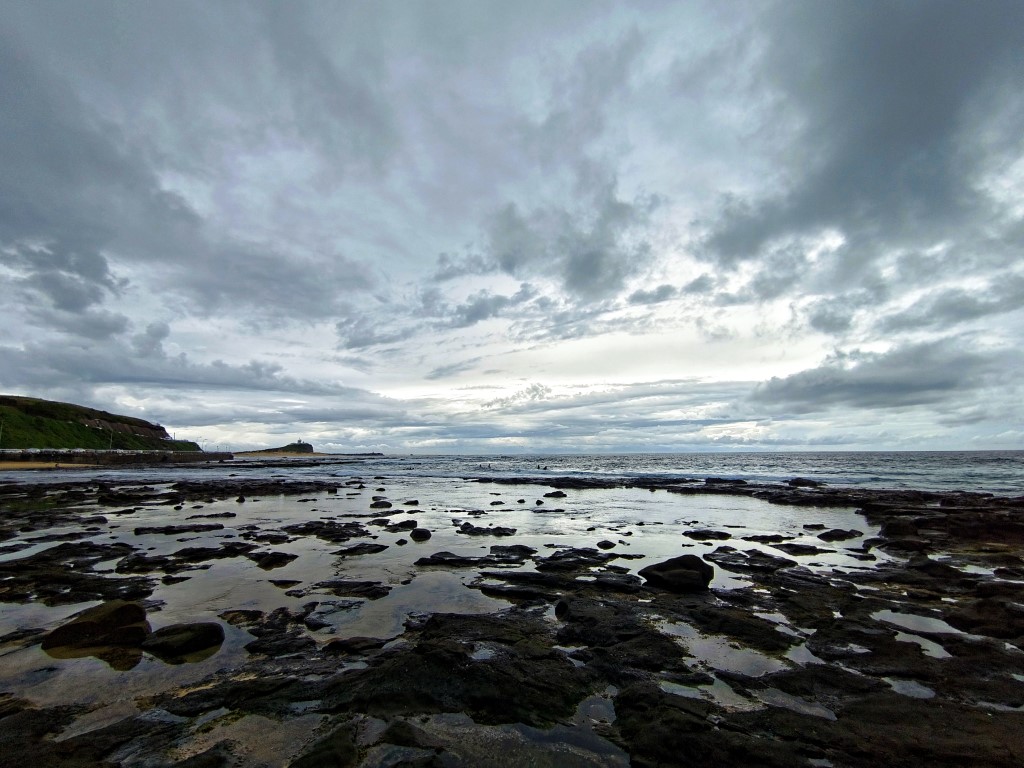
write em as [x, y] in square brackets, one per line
[297, 447]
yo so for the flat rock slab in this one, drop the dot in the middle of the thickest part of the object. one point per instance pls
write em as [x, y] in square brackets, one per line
[174, 530]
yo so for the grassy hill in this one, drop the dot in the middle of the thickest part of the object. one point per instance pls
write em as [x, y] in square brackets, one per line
[32, 423]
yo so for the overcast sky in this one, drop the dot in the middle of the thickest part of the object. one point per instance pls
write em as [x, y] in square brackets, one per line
[496, 227]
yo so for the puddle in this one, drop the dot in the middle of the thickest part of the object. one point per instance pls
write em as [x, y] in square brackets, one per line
[776, 698]
[718, 652]
[482, 653]
[801, 655]
[916, 623]
[717, 692]
[599, 708]
[910, 688]
[928, 647]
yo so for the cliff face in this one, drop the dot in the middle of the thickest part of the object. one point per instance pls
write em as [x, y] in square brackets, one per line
[152, 431]
[29, 422]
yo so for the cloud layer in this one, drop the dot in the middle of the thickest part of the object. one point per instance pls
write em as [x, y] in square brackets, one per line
[483, 227]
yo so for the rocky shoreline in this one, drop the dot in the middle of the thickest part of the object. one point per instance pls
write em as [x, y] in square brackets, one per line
[570, 654]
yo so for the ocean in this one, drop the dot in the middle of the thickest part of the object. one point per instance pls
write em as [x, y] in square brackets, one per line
[997, 472]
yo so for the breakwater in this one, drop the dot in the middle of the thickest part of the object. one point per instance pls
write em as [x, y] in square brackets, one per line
[112, 457]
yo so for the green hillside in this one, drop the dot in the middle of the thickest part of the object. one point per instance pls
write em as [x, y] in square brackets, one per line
[28, 422]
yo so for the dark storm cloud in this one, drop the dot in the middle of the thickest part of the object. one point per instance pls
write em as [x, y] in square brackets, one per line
[88, 324]
[892, 100]
[485, 305]
[336, 103]
[662, 293]
[590, 251]
[143, 363]
[953, 306]
[80, 198]
[929, 373]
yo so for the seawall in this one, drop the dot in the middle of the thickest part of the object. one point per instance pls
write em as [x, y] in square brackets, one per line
[85, 456]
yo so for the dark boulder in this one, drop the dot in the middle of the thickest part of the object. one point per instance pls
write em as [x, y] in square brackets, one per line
[360, 549]
[172, 644]
[686, 573]
[707, 535]
[838, 534]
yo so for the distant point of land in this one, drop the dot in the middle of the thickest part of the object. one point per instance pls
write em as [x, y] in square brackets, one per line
[297, 447]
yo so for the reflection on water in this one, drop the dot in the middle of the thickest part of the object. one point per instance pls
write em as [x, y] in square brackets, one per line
[916, 623]
[721, 653]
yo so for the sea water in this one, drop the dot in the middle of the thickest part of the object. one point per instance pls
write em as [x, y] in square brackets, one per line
[998, 472]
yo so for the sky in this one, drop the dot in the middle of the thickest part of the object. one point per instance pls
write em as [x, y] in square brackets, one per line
[493, 227]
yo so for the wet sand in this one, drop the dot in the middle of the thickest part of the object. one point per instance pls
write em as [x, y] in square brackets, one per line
[386, 621]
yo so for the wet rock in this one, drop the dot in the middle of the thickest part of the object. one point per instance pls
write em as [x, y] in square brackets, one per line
[404, 734]
[450, 560]
[328, 530]
[419, 534]
[404, 525]
[354, 645]
[992, 617]
[792, 548]
[574, 559]
[686, 573]
[437, 673]
[707, 535]
[896, 528]
[174, 643]
[605, 544]
[499, 555]
[618, 582]
[174, 530]
[838, 534]
[63, 575]
[372, 590]
[337, 749]
[555, 495]
[751, 560]
[270, 560]
[469, 529]
[360, 549]
[381, 505]
[220, 755]
[657, 728]
[803, 482]
[772, 538]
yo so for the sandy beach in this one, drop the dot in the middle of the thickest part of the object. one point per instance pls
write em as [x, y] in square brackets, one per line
[385, 621]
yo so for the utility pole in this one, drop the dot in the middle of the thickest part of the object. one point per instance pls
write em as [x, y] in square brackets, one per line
[111, 445]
